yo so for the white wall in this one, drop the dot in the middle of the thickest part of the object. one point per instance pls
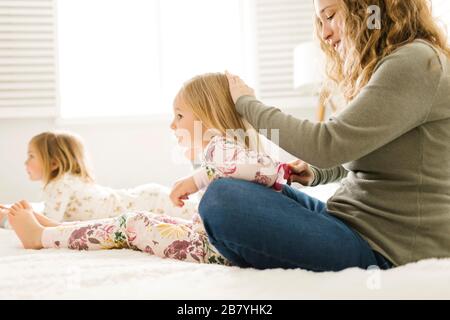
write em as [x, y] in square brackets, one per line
[124, 153]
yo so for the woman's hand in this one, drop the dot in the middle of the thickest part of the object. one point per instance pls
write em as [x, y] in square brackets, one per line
[181, 190]
[238, 88]
[301, 173]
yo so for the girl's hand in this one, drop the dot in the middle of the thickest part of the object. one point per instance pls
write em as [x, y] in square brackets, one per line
[3, 209]
[238, 88]
[181, 190]
[301, 173]
[3, 212]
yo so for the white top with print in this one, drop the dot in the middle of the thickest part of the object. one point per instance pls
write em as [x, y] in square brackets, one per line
[226, 158]
[70, 198]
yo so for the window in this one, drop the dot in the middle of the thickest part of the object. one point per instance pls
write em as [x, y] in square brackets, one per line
[281, 26]
[441, 9]
[130, 57]
[28, 85]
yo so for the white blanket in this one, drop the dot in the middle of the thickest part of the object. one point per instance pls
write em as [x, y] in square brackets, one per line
[126, 274]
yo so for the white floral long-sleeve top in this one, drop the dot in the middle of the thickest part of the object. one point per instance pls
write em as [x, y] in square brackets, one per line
[225, 158]
[70, 198]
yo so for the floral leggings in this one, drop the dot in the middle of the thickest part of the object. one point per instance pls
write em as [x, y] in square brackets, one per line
[157, 234]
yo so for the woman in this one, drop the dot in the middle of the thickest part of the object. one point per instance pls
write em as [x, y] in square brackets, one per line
[390, 147]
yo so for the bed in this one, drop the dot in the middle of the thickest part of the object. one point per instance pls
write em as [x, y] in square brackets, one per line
[126, 274]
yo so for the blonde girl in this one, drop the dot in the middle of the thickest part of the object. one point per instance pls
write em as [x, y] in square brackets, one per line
[205, 101]
[58, 160]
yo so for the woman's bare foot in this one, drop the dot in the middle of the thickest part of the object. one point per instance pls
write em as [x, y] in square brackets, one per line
[45, 221]
[25, 224]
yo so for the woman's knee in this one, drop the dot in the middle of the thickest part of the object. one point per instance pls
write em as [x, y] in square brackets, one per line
[218, 208]
[213, 199]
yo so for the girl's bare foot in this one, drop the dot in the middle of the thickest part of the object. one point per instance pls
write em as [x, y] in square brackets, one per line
[25, 224]
[45, 221]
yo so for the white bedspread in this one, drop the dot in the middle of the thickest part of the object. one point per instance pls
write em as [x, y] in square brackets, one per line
[125, 274]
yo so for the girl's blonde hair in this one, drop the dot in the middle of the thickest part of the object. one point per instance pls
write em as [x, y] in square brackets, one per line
[208, 95]
[61, 152]
[402, 22]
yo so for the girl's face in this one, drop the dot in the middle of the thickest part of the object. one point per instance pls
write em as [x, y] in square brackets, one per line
[187, 128]
[34, 164]
[330, 16]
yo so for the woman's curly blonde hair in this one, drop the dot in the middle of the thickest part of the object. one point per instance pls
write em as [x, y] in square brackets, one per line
[402, 22]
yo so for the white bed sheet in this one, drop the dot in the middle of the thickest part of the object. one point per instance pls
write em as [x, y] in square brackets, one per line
[126, 274]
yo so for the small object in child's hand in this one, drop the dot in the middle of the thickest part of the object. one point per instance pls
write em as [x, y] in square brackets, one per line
[287, 173]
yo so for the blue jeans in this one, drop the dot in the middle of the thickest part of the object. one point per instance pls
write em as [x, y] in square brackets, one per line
[254, 226]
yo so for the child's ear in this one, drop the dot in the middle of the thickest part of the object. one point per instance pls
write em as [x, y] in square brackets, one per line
[54, 165]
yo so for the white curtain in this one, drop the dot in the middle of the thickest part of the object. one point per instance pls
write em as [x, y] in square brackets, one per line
[129, 57]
